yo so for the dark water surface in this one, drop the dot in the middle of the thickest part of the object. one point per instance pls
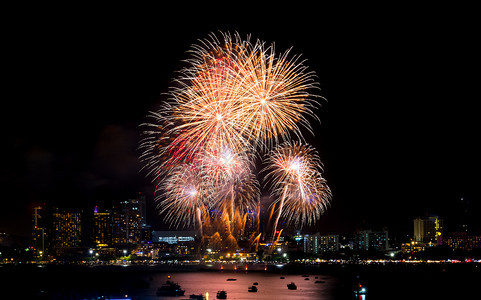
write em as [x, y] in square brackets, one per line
[141, 282]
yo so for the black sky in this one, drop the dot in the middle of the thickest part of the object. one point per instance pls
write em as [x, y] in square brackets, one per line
[399, 133]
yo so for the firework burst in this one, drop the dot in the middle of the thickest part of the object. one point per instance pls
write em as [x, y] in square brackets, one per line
[239, 94]
[234, 99]
[294, 172]
[185, 196]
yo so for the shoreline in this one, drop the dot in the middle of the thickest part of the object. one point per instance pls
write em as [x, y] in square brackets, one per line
[290, 268]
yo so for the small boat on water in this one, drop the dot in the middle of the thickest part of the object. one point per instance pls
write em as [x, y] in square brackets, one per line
[306, 278]
[292, 286]
[360, 289]
[231, 279]
[282, 277]
[170, 288]
[252, 289]
[255, 283]
[221, 295]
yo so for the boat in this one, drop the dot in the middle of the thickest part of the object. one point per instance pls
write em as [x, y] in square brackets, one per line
[282, 277]
[221, 295]
[255, 283]
[306, 278]
[292, 286]
[231, 279]
[252, 289]
[197, 297]
[170, 288]
[360, 289]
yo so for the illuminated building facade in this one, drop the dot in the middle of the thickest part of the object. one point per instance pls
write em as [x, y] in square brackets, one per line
[39, 232]
[412, 247]
[66, 230]
[329, 243]
[102, 229]
[134, 211]
[119, 228]
[182, 242]
[311, 243]
[462, 241]
[173, 236]
[367, 240]
[317, 243]
[428, 230]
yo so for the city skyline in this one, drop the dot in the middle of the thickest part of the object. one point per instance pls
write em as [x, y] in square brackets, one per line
[110, 233]
[397, 133]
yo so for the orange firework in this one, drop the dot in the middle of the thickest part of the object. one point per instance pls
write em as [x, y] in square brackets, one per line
[234, 98]
[241, 95]
[294, 170]
[185, 196]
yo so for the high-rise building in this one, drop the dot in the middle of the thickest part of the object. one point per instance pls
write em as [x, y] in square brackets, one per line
[134, 227]
[134, 211]
[464, 216]
[428, 230]
[317, 243]
[371, 240]
[102, 229]
[462, 241]
[311, 243]
[251, 225]
[137, 206]
[329, 243]
[66, 230]
[129, 226]
[119, 228]
[39, 232]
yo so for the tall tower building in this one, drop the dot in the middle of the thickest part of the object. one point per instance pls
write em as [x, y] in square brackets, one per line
[465, 216]
[134, 211]
[119, 228]
[312, 243]
[102, 229]
[329, 243]
[39, 232]
[66, 230]
[371, 240]
[428, 230]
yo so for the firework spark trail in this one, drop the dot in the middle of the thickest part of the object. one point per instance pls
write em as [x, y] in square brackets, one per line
[185, 197]
[278, 96]
[236, 196]
[294, 170]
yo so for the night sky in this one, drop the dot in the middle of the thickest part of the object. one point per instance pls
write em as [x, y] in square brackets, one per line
[399, 132]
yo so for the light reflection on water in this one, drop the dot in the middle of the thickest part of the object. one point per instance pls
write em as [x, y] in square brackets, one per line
[270, 286]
